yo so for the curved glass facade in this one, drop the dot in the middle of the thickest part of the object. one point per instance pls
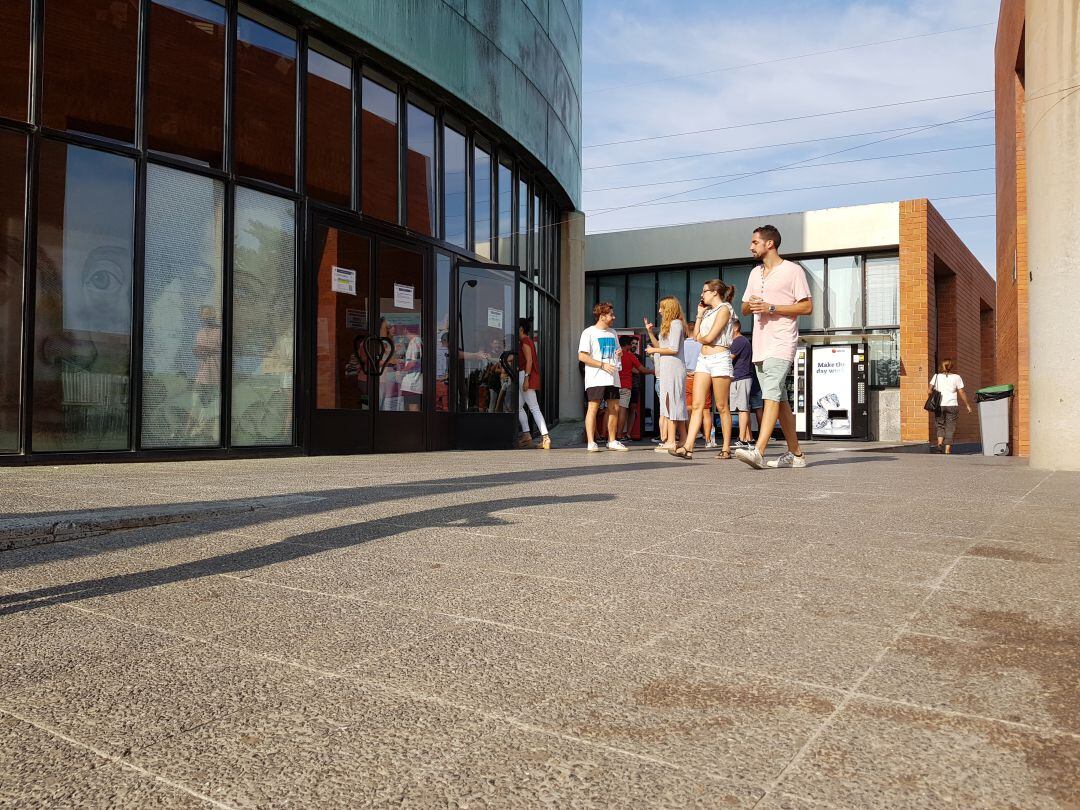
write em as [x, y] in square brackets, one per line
[222, 230]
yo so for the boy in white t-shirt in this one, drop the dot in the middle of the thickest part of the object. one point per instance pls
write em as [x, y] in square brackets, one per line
[599, 351]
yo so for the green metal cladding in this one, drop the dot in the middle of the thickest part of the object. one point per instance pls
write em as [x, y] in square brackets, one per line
[517, 62]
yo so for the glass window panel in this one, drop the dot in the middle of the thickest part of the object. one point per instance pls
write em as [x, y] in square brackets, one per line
[642, 299]
[12, 202]
[484, 385]
[442, 332]
[329, 125]
[379, 144]
[845, 292]
[455, 158]
[506, 214]
[590, 299]
[89, 76]
[611, 289]
[882, 291]
[263, 299]
[341, 321]
[481, 202]
[698, 277]
[815, 279]
[420, 172]
[523, 227]
[739, 275]
[672, 282]
[82, 329]
[185, 94]
[401, 386]
[14, 58]
[181, 372]
[536, 235]
[265, 116]
[884, 356]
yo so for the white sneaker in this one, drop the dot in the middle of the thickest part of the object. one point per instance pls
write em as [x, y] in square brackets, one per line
[788, 460]
[617, 445]
[711, 445]
[592, 448]
[751, 457]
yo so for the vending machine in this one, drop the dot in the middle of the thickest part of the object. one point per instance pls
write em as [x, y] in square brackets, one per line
[834, 378]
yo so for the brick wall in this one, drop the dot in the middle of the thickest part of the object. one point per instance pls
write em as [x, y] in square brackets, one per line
[1012, 260]
[945, 298]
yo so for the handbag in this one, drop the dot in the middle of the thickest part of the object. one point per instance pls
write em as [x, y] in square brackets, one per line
[933, 402]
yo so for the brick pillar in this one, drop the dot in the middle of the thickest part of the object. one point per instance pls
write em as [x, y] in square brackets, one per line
[918, 321]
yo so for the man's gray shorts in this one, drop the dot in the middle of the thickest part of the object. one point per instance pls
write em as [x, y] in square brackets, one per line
[772, 375]
[739, 395]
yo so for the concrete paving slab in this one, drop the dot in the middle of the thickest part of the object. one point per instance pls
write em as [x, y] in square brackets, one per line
[1050, 580]
[990, 618]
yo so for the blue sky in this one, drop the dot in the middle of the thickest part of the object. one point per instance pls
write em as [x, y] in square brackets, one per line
[629, 44]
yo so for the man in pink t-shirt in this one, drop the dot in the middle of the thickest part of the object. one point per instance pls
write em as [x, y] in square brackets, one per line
[776, 294]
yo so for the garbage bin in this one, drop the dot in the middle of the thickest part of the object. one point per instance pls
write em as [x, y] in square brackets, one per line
[994, 418]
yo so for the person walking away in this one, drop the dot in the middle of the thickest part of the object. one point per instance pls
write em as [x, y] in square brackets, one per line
[776, 294]
[691, 353]
[951, 388]
[599, 350]
[743, 372]
[529, 383]
[667, 351]
[715, 324]
[629, 366]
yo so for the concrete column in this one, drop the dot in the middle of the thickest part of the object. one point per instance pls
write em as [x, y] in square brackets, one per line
[571, 313]
[1052, 63]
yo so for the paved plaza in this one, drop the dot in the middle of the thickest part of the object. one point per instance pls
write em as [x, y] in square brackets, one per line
[561, 629]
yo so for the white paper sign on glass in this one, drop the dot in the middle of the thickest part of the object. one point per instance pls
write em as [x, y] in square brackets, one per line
[404, 296]
[495, 318]
[343, 280]
[356, 319]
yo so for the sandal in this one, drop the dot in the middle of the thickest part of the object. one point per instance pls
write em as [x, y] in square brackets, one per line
[683, 453]
[724, 455]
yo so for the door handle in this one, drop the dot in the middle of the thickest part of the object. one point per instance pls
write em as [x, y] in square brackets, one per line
[378, 351]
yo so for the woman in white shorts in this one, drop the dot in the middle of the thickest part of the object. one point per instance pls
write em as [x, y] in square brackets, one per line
[714, 331]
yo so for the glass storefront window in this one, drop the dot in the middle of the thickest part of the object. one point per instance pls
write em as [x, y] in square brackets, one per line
[815, 279]
[642, 300]
[672, 282]
[341, 320]
[182, 340]
[882, 291]
[738, 275]
[537, 234]
[845, 292]
[185, 93]
[90, 53]
[264, 312]
[14, 58]
[12, 200]
[442, 331]
[481, 202]
[613, 290]
[328, 147]
[400, 290]
[265, 118]
[884, 356]
[455, 158]
[590, 299]
[379, 145]
[487, 332]
[523, 227]
[506, 214]
[82, 329]
[420, 171]
[698, 277]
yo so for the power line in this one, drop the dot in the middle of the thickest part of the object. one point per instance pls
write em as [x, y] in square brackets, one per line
[814, 166]
[787, 58]
[765, 146]
[793, 118]
[978, 216]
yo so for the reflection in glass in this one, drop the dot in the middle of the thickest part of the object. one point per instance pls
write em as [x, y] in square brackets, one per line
[342, 362]
[486, 341]
[642, 299]
[523, 227]
[89, 75]
[185, 94]
[506, 214]
[379, 144]
[82, 329]
[401, 308]
[14, 58]
[12, 198]
[181, 373]
[442, 332]
[264, 281]
[590, 300]
[265, 113]
[698, 277]
[882, 291]
[537, 239]
[420, 171]
[455, 156]
[482, 202]
[672, 282]
[845, 292]
[738, 275]
[884, 357]
[815, 279]
[329, 125]
[611, 289]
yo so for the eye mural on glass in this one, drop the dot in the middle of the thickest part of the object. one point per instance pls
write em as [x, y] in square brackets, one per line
[82, 327]
[263, 327]
[420, 171]
[481, 203]
[12, 200]
[182, 339]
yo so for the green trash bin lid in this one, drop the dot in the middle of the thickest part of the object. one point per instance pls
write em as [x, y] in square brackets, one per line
[996, 389]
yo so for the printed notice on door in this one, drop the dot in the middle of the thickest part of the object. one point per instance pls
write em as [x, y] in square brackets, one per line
[404, 296]
[343, 280]
[495, 318]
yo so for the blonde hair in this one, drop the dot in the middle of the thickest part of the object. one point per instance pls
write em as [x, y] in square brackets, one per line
[670, 310]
